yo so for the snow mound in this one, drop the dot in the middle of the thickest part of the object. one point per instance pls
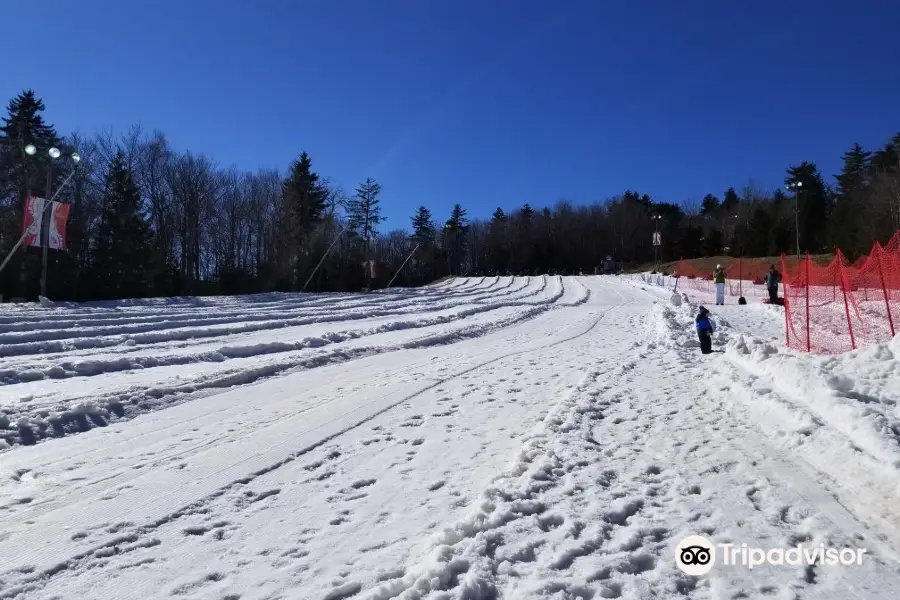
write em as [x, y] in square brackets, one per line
[855, 393]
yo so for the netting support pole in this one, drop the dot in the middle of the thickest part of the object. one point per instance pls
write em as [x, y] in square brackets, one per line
[740, 277]
[403, 265]
[321, 260]
[787, 326]
[808, 339]
[844, 286]
[887, 300]
[13, 251]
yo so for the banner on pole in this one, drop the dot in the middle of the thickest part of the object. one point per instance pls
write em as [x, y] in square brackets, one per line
[44, 223]
[657, 241]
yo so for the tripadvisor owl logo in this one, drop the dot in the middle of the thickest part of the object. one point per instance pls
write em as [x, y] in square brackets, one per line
[695, 555]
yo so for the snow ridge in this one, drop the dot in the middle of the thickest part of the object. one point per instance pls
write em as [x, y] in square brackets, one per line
[33, 419]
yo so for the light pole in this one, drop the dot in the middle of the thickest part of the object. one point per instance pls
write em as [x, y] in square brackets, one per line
[450, 253]
[54, 153]
[734, 232]
[656, 241]
[455, 261]
[796, 186]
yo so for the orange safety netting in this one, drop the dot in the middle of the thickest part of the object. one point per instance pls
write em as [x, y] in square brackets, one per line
[841, 306]
[742, 277]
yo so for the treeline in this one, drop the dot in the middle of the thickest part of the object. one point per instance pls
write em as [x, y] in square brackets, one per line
[147, 220]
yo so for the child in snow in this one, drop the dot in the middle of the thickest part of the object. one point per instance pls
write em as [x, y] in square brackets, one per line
[704, 330]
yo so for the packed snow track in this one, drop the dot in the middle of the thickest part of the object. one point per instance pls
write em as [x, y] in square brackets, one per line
[483, 438]
[67, 370]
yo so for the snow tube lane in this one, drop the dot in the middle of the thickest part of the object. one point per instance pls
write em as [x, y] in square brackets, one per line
[55, 390]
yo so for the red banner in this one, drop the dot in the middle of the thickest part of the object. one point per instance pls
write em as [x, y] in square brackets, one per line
[45, 225]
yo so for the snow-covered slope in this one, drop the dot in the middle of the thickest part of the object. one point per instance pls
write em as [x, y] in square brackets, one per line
[483, 438]
[68, 369]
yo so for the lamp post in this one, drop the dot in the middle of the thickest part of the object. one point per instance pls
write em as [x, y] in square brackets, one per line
[734, 227]
[449, 254]
[53, 153]
[656, 241]
[797, 186]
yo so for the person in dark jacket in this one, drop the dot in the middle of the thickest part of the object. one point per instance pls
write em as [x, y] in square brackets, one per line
[773, 277]
[704, 330]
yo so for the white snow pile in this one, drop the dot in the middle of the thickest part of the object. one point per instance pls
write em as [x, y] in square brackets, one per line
[839, 413]
[674, 323]
[856, 392]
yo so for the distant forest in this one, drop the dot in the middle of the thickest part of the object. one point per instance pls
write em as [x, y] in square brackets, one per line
[147, 220]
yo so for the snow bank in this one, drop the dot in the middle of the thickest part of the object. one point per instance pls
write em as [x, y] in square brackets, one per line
[674, 324]
[837, 413]
[855, 393]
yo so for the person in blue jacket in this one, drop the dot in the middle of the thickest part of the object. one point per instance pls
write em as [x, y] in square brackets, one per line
[704, 330]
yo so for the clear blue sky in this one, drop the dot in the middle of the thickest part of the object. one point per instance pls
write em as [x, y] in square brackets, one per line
[483, 102]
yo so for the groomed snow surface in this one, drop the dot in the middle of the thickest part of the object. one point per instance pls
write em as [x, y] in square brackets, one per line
[544, 437]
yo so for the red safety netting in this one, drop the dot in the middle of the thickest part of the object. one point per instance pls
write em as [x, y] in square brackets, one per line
[743, 278]
[841, 306]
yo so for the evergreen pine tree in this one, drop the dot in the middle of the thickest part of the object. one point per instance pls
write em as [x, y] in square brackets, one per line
[498, 253]
[455, 229]
[527, 212]
[884, 195]
[305, 197]
[458, 221]
[424, 234]
[888, 158]
[852, 176]
[730, 201]
[123, 265]
[710, 205]
[424, 230]
[364, 213]
[364, 210]
[21, 174]
[849, 211]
